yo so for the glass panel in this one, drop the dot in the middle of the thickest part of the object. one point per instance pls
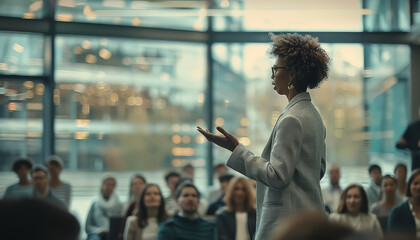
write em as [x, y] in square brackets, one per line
[21, 54]
[21, 122]
[308, 15]
[185, 15]
[21, 8]
[358, 104]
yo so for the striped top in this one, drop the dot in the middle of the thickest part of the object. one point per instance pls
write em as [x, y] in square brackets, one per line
[63, 193]
[16, 191]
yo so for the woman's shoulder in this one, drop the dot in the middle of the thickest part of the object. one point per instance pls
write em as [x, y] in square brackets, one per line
[132, 220]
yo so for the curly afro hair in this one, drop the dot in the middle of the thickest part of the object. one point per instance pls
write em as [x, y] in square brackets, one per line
[303, 57]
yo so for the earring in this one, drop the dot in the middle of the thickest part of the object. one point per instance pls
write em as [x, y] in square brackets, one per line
[290, 86]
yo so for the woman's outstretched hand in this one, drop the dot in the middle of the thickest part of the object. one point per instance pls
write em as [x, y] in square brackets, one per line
[227, 141]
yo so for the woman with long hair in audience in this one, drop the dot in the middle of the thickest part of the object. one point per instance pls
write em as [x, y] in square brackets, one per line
[238, 221]
[405, 218]
[137, 184]
[389, 200]
[353, 211]
[151, 212]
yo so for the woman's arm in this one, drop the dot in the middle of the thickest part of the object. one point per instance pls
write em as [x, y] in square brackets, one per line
[285, 151]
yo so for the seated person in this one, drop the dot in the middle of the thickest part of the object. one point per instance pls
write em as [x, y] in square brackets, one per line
[22, 168]
[106, 205]
[40, 179]
[224, 181]
[151, 213]
[239, 220]
[60, 189]
[381, 209]
[187, 224]
[353, 212]
[171, 179]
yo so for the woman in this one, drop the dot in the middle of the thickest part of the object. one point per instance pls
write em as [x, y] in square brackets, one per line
[238, 221]
[353, 211]
[293, 161]
[106, 206]
[151, 212]
[137, 184]
[405, 218]
[400, 172]
[381, 209]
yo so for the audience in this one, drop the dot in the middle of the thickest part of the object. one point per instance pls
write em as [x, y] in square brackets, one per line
[106, 205]
[239, 220]
[171, 179]
[36, 219]
[311, 226]
[22, 168]
[151, 212]
[332, 194]
[381, 209]
[374, 193]
[353, 211]
[187, 224]
[40, 179]
[60, 189]
[137, 184]
[405, 218]
[224, 181]
[400, 172]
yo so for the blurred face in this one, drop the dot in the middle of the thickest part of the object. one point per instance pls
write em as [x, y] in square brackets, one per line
[239, 193]
[108, 187]
[334, 175]
[376, 175]
[188, 200]
[401, 174]
[353, 201]
[152, 197]
[388, 186]
[220, 171]
[172, 181]
[54, 169]
[189, 171]
[281, 78]
[415, 187]
[40, 181]
[23, 172]
[137, 186]
[223, 186]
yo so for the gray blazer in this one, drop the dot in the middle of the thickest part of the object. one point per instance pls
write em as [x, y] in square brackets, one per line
[290, 167]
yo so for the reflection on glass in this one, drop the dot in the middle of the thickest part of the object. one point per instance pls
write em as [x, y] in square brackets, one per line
[129, 104]
[21, 54]
[185, 15]
[20, 122]
[21, 8]
[362, 103]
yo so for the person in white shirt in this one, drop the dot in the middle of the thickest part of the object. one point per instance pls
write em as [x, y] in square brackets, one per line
[106, 205]
[332, 194]
[353, 211]
[171, 179]
[151, 212]
[374, 192]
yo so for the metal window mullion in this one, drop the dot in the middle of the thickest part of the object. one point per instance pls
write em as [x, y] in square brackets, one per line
[48, 143]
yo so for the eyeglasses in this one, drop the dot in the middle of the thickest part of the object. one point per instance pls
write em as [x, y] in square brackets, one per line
[274, 70]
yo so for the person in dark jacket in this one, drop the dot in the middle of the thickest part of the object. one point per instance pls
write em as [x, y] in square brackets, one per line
[401, 218]
[187, 224]
[238, 221]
